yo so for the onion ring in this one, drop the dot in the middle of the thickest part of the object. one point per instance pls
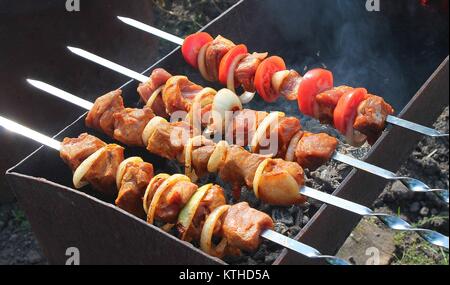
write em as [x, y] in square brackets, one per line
[188, 212]
[123, 166]
[202, 62]
[166, 185]
[218, 156]
[150, 128]
[146, 201]
[290, 153]
[258, 176]
[84, 167]
[154, 95]
[261, 131]
[208, 231]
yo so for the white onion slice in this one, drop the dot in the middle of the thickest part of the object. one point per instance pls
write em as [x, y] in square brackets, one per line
[123, 166]
[258, 175]
[247, 97]
[208, 231]
[201, 60]
[188, 167]
[166, 185]
[218, 156]
[204, 98]
[84, 167]
[279, 190]
[146, 201]
[278, 78]
[224, 101]
[262, 129]
[150, 128]
[232, 68]
[290, 153]
[153, 97]
[188, 212]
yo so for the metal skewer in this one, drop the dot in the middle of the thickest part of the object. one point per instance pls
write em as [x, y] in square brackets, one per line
[179, 41]
[271, 235]
[392, 222]
[412, 184]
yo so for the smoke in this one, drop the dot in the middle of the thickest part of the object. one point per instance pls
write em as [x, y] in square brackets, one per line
[380, 51]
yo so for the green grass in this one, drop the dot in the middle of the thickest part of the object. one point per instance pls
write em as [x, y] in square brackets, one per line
[412, 250]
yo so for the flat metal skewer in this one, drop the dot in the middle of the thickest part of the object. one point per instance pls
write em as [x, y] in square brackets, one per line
[392, 222]
[412, 184]
[271, 235]
[179, 41]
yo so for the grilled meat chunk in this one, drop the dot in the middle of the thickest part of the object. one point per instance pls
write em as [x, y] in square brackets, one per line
[168, 140]
[239, 168]
[244, 125]
[102, 174]
[314, 150]
[129, 125]
[75, 150]
[173, 201]
[157, 79]
[101, 116]
[214, 54]
[242, 226]
[179, 93]
[134, 182]
[213, 199]
[371, 117]
[286, 129]
[200, 159]
[246, 70]
[289, 87]
[327, 102]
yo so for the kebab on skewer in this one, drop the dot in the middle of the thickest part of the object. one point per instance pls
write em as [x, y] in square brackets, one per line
[221, 60]
[125, 125]
[173, 200]
[202, 214]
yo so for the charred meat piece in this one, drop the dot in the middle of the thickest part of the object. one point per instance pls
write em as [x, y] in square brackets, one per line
[168, 140]
[157, 79]
[214, 54]
[173, 200]
[179, 93]
[314, 150]
[246, 70]
[213, 199]
[289, 87]
[135, 180]
[129, 125]
[75, 150]
[371, 117]
[101, 116]
[102, 174]
[242, 226]
[327, 102]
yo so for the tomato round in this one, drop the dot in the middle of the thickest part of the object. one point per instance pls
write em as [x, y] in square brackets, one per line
[192, 45]
[263, 77]
[313, 83]
[228, 59]
[347, 107]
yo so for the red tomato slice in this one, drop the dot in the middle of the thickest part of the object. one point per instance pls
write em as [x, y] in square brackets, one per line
[227, 60]
[313, 83]
[192, 45]
[347, 108]
[263, 77]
